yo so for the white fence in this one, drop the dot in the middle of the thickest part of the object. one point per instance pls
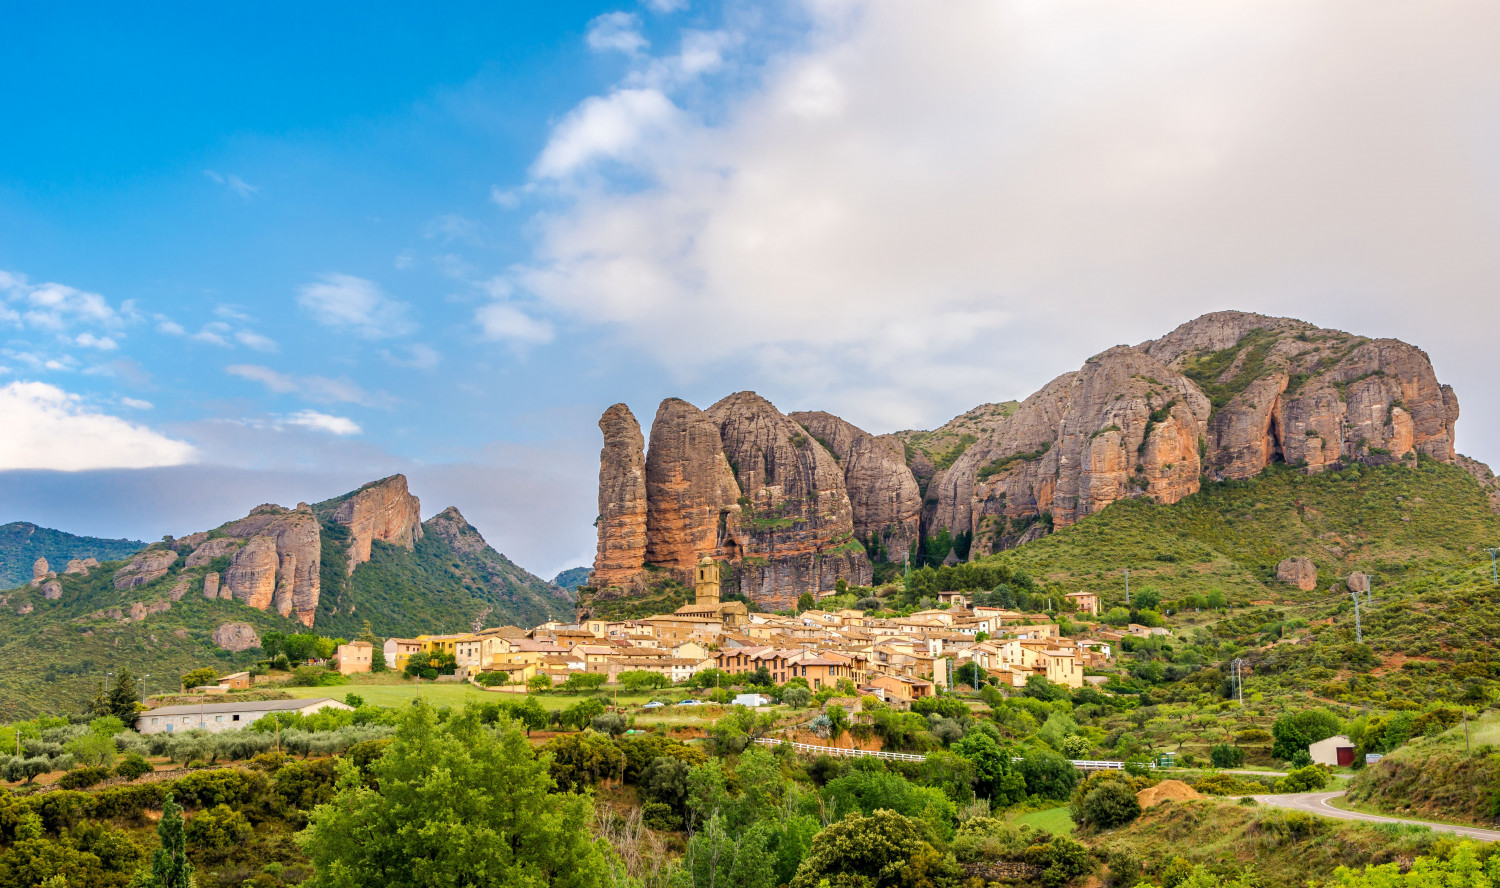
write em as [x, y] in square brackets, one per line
[1080, 764]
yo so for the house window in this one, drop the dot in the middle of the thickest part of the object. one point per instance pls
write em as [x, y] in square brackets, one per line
[218, 718]
[235, 717]
[155, 720]
[187, 719]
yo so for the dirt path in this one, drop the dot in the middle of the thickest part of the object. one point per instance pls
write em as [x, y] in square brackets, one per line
[1318, 803]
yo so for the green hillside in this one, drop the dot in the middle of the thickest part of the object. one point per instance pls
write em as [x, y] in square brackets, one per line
[22, 543]
[572, 578]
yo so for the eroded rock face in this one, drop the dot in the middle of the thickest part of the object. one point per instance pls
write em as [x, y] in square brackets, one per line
[80, 567]
[1486, 478]
[51, 590]
[1299, 572]
[211, 549]
[277, 566]
[236, 637]
[381, 510]
[796, 515]
[144, 568]
[39, 569]
[1124, 425]
[622, 500]
[211, 585]
[1287, 391]
[691, 495]
[883, 492]
[1358, 582]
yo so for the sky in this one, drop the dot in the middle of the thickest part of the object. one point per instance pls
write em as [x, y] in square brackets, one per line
[267, 254]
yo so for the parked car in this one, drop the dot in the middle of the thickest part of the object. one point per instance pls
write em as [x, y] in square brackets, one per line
[654, 704]
[691, 703]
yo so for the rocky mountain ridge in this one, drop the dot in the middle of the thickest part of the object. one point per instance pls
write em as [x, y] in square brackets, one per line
[792, 503]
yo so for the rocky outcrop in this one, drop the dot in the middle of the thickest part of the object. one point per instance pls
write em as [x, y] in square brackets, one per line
[39, 570]
[1286, 391]
[622, 500]
[211, 585]
[1486, 478]
[145, 567]
[277, 566]
[51, 590]
[883, 492]
[1124, 425]
[499, 585]
[795, 532]
[80, 567]
[207, 551]
[692, 501]
[236, 637]
[1299, 572]
[1358, 582]
[381, 510]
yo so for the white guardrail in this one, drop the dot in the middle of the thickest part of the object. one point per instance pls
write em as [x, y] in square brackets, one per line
[1080, 764]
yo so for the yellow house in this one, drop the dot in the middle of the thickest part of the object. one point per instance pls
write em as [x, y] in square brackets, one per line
[354, 657]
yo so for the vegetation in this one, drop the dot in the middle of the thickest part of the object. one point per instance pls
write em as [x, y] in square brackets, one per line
[22, 543]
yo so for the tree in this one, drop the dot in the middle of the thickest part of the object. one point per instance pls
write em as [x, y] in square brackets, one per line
[883, 850]
[580, 714]
[583, 759]
[1295, 731]
[971, 674]
[1106, 804]
[796, 697]
[96, 747]
[643, 680]
[838, 721]
[611, 723]
[120, 702]
[1047, 774]
[806, 601]
[377, 651]
[717, 859]
[1309, 779]
[1146, 599]
[995, 777]
[1223, 755]
[585, 681]
[458, 805]
[539, 683]
[197, 678]
[169, 865]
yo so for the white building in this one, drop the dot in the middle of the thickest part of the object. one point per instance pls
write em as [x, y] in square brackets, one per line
[216, 717]
[1335, 752]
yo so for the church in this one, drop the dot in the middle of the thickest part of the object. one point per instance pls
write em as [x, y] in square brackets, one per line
[706, 602]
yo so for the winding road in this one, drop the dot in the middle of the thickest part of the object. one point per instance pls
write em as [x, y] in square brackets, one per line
[1318, 803]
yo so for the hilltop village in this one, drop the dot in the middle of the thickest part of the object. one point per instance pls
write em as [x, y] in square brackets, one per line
[896, 660]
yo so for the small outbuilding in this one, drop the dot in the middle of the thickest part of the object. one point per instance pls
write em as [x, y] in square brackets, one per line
[752, 700]
[216, 717]
[1335, 752]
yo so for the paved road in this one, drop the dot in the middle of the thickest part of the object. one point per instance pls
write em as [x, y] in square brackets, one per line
[1317, 803]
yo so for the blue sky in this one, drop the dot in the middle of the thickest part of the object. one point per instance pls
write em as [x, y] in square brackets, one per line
[265, 254]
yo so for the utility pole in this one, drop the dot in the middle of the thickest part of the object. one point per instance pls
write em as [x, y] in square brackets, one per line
[1466, 731]
[1359, 635]
[143, 688]
[1127, 587]
[1494, 570]
[107, 677]
[1239, 680]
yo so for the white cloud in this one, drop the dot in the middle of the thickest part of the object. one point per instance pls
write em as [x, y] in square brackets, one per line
[506, 322]
[137, 404]
[665, 6]
[417, 356]
[314, 388]
[48, 428]
[54, 307]
[352, 303]
[323, 422]
[616, 32]
[170, 327]
[234, 183]
[213, 333]
[102, 343]
[605, 128]
[251, 339]
[909, 213]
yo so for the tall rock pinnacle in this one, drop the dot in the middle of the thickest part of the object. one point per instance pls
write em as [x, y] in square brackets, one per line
[622, 499]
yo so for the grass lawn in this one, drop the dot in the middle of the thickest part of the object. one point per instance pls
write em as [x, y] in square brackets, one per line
[1054, 820]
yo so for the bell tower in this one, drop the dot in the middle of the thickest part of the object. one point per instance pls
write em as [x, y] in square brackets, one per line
[706, 583]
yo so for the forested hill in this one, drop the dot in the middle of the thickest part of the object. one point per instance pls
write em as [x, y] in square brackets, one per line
[22, 543]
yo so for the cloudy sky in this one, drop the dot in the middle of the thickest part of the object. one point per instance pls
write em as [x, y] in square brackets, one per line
[266, 258]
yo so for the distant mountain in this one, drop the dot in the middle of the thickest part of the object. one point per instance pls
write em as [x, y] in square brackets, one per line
[22, 543]
[207, 598]
[572, 578]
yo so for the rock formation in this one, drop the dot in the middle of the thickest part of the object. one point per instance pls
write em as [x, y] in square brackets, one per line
[211, 585]
[80, 567]
[277, 566]
[1286, 391]
[691, 497]
[1358, 582]
[740, 482]
[1299, 572]
[1486, 478]
[146, 567]
[622, 499]
[883, 492]
[381, 510]
[210, 549]
[236, 637]
[51, 590]
[39, 570]
[1124, 425]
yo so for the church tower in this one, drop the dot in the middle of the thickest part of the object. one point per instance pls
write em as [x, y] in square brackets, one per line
[706, 585]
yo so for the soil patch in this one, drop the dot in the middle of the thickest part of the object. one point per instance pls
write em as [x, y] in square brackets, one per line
[1167, 790]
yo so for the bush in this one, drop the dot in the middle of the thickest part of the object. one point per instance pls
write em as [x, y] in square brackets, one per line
[1107, 804]
[317, 677]
[611, 723]
[1309, 779]
[493, 679]
[218, 829]
[132, 766]
[82, 778]
[1226, 756]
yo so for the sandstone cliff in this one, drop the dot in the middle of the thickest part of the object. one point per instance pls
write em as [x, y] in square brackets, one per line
[692, 500]
[381, 510]
[1286, 391]
[622, 499]
[1124, 425]
[277, 564]
[883, 492]
[1486, 478]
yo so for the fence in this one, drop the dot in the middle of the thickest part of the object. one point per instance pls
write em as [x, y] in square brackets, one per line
[1080, 764]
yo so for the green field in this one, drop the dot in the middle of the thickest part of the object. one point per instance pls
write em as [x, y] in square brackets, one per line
[1054, 820]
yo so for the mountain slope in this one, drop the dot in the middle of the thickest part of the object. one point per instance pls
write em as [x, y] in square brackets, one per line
[22, 543]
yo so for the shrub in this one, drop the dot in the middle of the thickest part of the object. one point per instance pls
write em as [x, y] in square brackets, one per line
[1226, 756]
[493, 679]
[611, 723]
[82, 778]
[1309, 779]
[132, 766]
[218, 829]
[1107, 804]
